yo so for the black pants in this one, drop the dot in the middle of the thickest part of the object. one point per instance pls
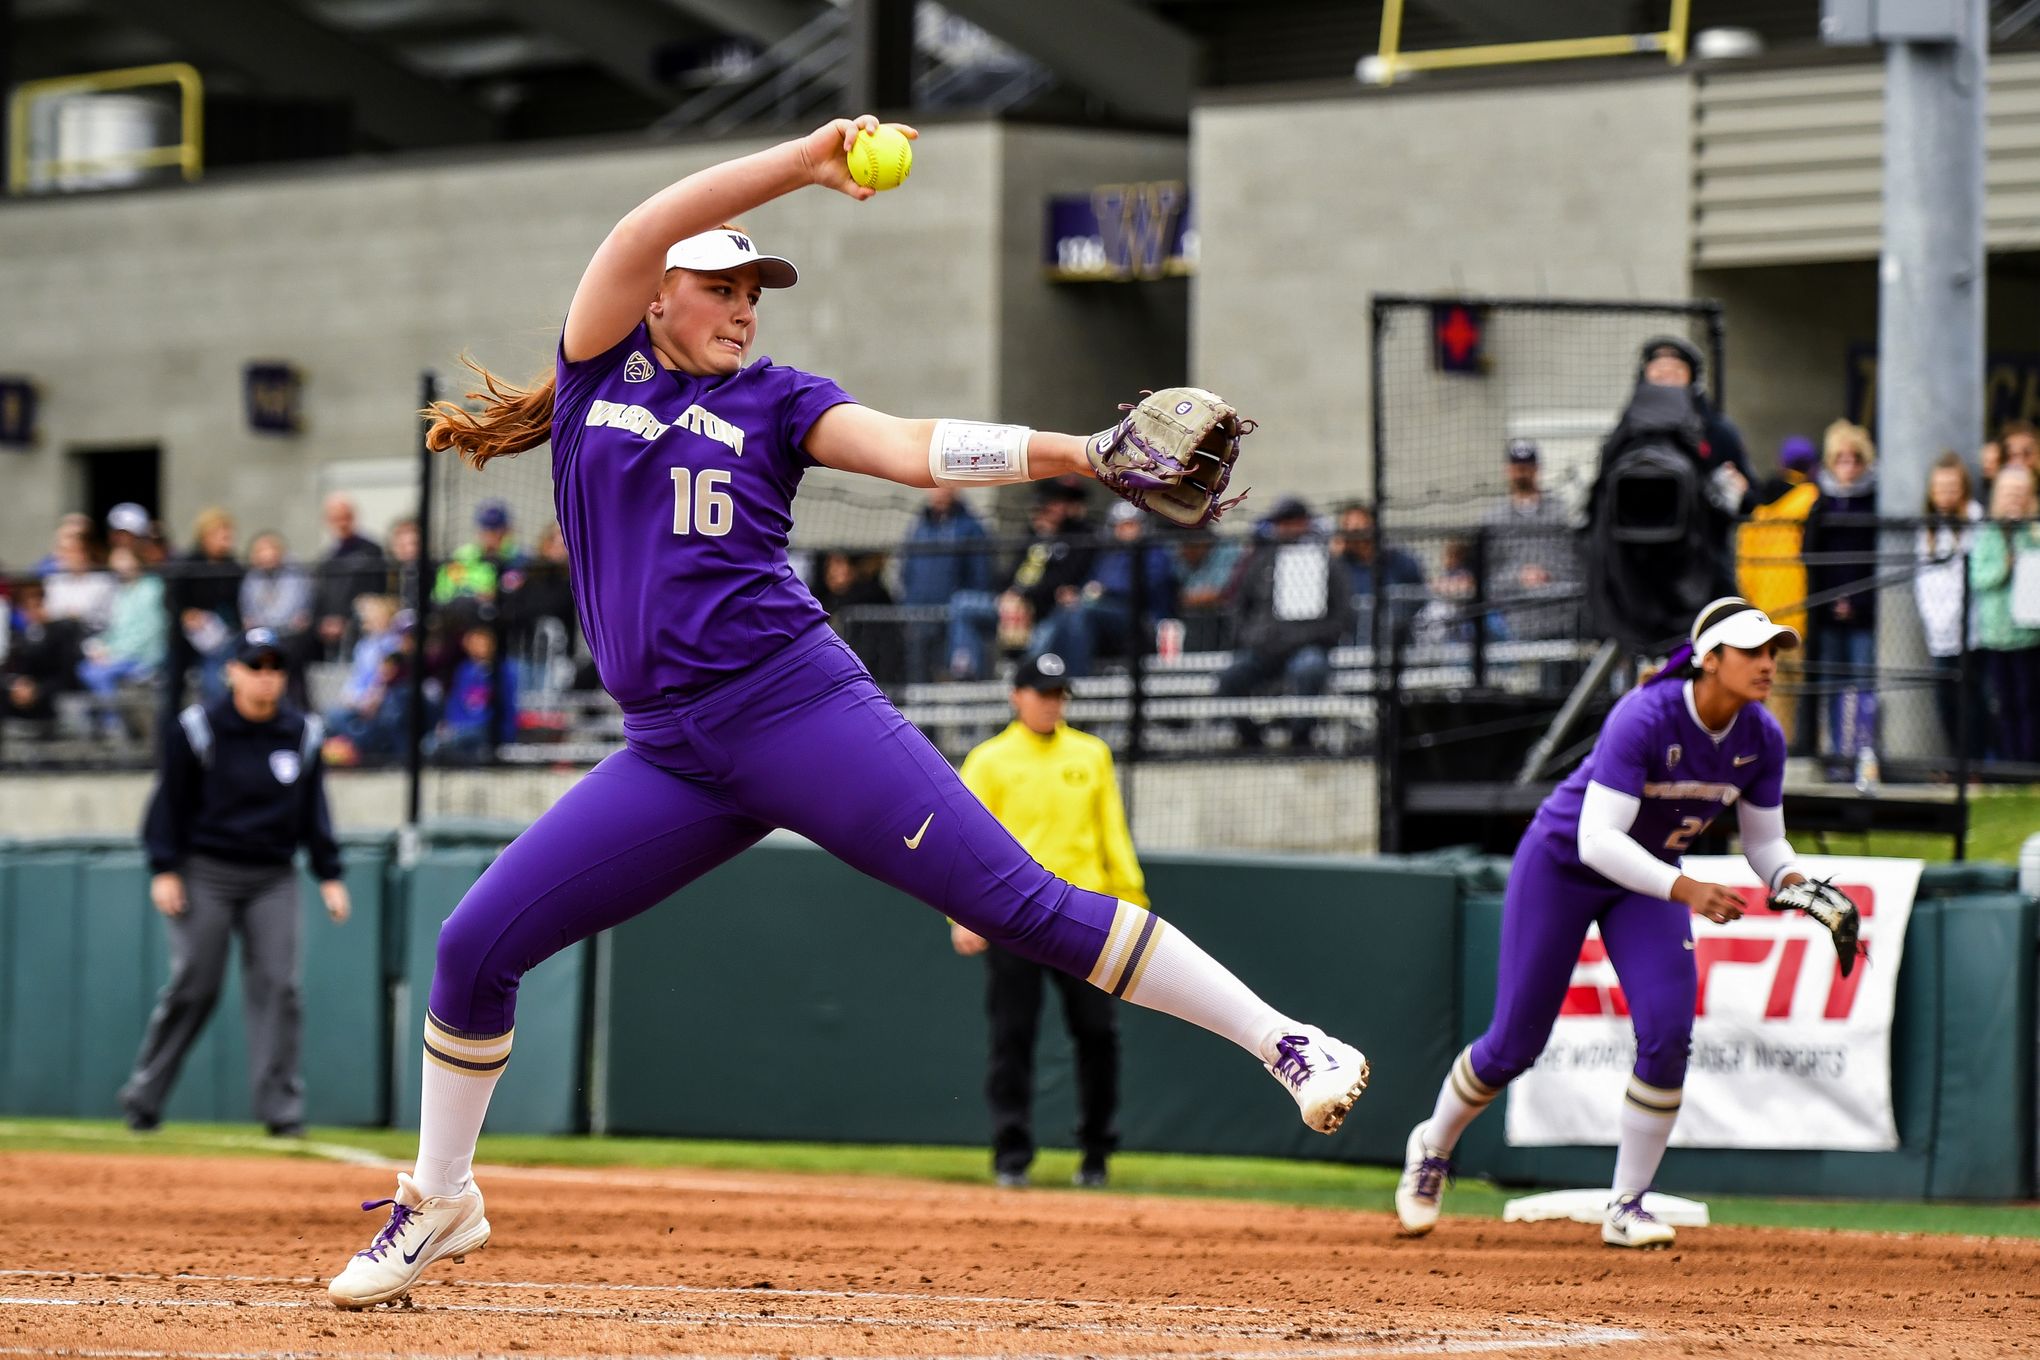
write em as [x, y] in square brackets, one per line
[1013, 1002]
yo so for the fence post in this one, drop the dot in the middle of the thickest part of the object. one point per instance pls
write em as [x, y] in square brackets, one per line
[421, 612]
[1136, 662]
[1964, 662]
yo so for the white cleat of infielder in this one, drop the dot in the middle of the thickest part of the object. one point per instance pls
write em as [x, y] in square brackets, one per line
[1629, 1224]
[1422, 1186]
[421, 1230]
[1325, 1075]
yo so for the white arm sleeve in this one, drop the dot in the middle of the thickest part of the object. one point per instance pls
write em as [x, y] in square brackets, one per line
[1763, 842]
[1607, 848]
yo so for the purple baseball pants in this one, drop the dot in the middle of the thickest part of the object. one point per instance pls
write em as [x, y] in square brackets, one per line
[1550, 902]
[807, 742]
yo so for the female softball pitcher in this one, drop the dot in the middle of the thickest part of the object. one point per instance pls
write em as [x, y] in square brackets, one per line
[1604, 848]
[675, 465]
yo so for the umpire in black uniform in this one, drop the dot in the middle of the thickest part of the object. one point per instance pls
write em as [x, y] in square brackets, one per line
[241, 787]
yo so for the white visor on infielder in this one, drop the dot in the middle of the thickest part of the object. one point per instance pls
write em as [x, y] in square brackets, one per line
[721, 250]
[1736, 622]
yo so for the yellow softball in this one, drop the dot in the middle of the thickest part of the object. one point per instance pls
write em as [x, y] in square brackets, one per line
[882, 159]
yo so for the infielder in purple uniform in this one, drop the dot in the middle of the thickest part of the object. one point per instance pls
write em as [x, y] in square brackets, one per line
[675, 465]
[1604, 848]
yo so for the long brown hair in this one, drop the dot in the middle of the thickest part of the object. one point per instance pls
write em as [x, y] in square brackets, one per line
[512, 418]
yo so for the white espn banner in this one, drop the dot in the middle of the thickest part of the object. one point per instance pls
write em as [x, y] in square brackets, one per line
[1787, 1053]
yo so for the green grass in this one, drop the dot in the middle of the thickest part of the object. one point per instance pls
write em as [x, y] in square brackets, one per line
[1999, 822]
[1316, 1184]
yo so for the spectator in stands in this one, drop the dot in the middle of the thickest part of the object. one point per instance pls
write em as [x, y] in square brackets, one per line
[72, 526]
[850, 586]
[75, 586]
[477, 566]
[1102, 617]
[128, 526]
[1293, 609]
[2006, 588]
[481, 688]
[405, 546]
[1051, 571]
[543, 603]
[131, 650]
[1530, 549]
[2021, 445]
[945, 555]
[353, 565]
[278, 594]
[1990, 460]
[1771, 572]
[42, 658]
[1942, 550]
[370, 716]
[1374, 568]
[1207, 565]
[202, 590]
[1841, 567]
[1449, 615]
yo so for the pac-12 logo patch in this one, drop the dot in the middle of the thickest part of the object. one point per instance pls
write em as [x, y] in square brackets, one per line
[1672, 754]
[637, 368]
[285, 765]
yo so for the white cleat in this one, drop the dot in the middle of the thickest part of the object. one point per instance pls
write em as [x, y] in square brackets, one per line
[1325, 1075]
[1629, 1224]
[1422, 1186]
[421, 1230]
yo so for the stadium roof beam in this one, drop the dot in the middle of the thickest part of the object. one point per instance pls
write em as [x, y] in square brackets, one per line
[1093, 45]
[764, 22]
[283, 50]
[623, 37]
[1494, 21]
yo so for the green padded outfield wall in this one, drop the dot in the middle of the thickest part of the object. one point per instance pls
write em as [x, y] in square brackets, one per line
[1961, 1063]
[83, 956]
[543, 1090]
[787, 996]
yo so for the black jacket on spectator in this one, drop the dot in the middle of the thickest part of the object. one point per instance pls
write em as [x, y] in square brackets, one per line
[1843, 522]
[195, 581]
[46, 654]
[1263, 630]
[1061, 559]
[354, 566]
[253, 795]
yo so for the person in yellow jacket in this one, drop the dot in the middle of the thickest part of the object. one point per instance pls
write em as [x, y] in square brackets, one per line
[1054, 788]
[1771, 566]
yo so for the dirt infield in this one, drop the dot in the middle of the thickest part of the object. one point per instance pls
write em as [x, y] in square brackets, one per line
[165, 1257]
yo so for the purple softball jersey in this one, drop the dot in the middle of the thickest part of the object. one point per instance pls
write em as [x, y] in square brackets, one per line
[675, 497]
[1654, 748]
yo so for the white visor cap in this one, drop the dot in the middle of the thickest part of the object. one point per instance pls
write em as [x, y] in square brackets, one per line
[1736, 622]
[721, 250]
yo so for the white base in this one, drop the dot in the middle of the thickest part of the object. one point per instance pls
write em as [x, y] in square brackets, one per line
[1591, 1206]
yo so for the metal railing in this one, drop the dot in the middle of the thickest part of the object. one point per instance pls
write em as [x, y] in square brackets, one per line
[25, 171]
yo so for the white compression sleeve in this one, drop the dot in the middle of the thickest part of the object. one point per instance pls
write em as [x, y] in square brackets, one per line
[1763, 842]
[971, 453]
[1607, 848]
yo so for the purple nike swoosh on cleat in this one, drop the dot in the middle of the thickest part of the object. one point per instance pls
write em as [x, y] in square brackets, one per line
[411, 1257]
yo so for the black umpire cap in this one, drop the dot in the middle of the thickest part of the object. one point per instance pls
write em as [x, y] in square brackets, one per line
[1045, 673]
[257, 643]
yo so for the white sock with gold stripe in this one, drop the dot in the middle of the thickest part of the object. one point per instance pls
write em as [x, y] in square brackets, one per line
[1461, 1098]
[461, 1071]
[1648, 1113]
[1152, 964]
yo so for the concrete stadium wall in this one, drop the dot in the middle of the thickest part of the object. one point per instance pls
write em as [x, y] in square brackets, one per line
[1306, 208]
[135, 312]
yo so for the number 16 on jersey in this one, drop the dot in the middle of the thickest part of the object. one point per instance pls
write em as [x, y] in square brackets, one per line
[700, 506]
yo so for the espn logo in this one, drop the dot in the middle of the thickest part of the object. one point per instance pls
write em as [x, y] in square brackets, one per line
[1772, 944]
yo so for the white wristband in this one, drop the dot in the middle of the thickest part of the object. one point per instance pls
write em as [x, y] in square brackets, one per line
[970, 453]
